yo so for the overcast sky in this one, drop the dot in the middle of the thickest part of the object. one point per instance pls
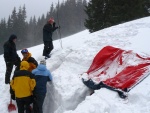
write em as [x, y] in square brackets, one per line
[33, 7]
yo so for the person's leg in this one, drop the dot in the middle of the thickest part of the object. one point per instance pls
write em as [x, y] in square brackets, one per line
[17, 64]
[20, 105]
[46, 48]
[9, 67]
[28, 101]
[51, 47]
[39, 102]
[35, 106]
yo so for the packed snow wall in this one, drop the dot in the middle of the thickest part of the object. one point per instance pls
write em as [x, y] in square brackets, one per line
[58, 102]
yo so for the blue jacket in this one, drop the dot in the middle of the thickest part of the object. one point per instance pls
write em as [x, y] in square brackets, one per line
[42, 75]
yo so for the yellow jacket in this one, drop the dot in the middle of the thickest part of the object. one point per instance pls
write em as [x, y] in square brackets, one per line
[32, 62]
[23, 82]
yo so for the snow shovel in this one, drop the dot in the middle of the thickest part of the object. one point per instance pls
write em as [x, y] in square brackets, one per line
[11, 106]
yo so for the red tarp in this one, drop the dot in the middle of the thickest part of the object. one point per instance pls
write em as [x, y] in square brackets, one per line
[118, 68]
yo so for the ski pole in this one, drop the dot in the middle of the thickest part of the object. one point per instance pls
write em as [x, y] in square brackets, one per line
[59, 39]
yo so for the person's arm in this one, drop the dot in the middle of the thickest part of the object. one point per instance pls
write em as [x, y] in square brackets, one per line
[34, 71]
[32, 82]
[33, 61]
[54, 26]
[50, 75]
[49, 28]
[7, 52]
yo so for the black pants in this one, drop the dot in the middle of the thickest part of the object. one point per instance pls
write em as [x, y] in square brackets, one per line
[24, 104]
[38, 103]
[48, 47]
[9, 68]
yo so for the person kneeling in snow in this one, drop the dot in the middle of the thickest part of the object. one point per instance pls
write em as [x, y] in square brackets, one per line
[23, 84]
[42, 76]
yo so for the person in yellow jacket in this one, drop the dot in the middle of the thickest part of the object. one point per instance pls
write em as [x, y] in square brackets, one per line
[23, 84]
[28, 57]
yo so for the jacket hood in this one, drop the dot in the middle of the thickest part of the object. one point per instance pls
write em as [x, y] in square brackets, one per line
[12, 37]
[24, 65]
[41, 67]
[29, 55]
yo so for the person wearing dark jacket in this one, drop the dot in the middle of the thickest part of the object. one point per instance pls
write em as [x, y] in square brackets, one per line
[42, 76]
[23, 84]
[48, 30]
[11, 57]
[28, 57]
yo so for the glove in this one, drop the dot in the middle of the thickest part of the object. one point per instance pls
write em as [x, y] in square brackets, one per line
[13, 97]
[58, 27]
[54, 24]
[12, 93]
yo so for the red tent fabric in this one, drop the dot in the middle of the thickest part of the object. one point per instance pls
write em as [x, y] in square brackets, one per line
[128, 67]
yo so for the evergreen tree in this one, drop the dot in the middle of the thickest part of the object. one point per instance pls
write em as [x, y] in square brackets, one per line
[105, 13]
[96, 11]
[14, 21]
[9, 25]
[3, 32]
[21, 27]
[3, 29]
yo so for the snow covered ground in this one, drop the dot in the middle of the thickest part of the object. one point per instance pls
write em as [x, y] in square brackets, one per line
[67, 93]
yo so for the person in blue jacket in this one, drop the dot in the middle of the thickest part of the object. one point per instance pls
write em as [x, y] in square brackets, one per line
[42, 76]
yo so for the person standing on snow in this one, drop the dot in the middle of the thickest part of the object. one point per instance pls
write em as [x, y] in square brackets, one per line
[11, 57]
[32, 65]
[42, 76]
[23, 84]
[28, 57]
[48, 30]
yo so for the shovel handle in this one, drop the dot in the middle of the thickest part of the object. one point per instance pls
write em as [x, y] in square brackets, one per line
[10, 100]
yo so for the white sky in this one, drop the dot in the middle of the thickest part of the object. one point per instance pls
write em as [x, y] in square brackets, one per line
[33, 7]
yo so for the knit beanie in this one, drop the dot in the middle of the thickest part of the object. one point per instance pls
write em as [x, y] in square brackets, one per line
[43, 62]
[51, 20]
[12, 37]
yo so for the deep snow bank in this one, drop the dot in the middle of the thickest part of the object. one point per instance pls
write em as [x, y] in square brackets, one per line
[67, 90]
[69, 94]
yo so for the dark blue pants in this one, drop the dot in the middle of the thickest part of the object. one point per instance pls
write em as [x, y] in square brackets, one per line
[24, 104]
[38, 103]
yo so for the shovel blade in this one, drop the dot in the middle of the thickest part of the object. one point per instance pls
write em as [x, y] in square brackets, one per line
[11, 107]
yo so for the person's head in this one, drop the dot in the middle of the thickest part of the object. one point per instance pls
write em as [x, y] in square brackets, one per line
[51, 21]
[43, 62]
[13, 38]
[24, 65]
[24, 53]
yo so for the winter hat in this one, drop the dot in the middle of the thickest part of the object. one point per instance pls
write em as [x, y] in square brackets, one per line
[12, 37]
[43, 62]
[51, 20]
[24, 51]
[24, 65]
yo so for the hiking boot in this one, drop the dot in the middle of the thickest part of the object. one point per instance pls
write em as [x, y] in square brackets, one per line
[47, 56]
